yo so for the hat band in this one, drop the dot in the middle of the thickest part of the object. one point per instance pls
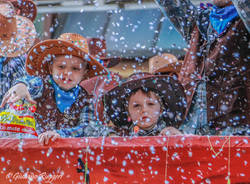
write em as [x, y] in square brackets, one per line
[8, 27]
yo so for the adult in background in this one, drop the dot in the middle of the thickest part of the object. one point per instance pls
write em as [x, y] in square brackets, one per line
[17, 35]
[216, 68]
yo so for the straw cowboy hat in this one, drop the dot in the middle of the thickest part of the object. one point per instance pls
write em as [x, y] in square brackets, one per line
[96, 47]
[25, 8]
[17, 33]
[164, 63]
[169, 89]
[37, 62]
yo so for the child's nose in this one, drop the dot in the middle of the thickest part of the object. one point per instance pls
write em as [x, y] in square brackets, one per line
[67, 72]
[144, 109]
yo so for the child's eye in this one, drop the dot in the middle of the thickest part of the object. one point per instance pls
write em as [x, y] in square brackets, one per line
[136, 105]
[76, 69]
[150, 103]
[61, 67]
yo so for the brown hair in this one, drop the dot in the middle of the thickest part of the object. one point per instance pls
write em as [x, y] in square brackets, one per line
[148, 93]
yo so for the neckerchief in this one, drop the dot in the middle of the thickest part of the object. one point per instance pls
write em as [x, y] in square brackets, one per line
[220, 18]
[64, 99]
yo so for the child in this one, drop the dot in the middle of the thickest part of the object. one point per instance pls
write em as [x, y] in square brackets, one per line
[146, 105]
[62, 104]
[216, 69]
[17, 35]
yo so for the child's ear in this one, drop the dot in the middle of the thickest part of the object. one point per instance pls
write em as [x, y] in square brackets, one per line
[50, 67]
[161, 111]
[85, 72]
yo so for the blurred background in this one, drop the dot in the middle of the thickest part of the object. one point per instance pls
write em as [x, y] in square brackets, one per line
[134, 30]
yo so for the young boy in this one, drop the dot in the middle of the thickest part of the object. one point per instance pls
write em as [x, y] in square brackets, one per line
[17, 35]
[146, 105]
[216, 68]
[62, 105]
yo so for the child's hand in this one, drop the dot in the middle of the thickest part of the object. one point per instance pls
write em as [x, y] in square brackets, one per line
[46, 137]
[17, 92]
[113, 135]
[170, 131]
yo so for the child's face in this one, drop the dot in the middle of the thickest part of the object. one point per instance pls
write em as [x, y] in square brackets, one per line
[144, 109]
[68, 71]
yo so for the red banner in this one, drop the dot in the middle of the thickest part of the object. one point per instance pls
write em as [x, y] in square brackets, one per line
[117, 160]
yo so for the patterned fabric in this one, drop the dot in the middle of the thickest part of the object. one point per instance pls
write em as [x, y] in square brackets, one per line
[196, 121]
[2, 60]
[88, 127]
[64, 99]
[152, 132]
[11, 70]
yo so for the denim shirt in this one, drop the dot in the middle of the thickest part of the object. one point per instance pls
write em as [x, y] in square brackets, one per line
[11, 71]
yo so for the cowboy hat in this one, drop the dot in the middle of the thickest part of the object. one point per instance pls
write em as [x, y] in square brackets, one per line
[37, 62]
[25, 8]
[168, 88]
[164, 63]
[96, 47]
[17, 33]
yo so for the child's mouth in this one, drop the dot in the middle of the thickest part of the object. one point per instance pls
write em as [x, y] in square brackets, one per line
[66, 81]
[145, 118]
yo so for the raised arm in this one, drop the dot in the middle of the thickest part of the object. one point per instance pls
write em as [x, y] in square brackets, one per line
[34, 85]
[243, 8]
[182, 13]
[27, 87]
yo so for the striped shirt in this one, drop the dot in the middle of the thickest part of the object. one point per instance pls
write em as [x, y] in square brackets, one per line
[88, 126]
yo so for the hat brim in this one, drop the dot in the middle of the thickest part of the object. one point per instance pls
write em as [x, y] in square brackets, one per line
[171, 67]
[170, 91]
[23, 40]
[37, 62]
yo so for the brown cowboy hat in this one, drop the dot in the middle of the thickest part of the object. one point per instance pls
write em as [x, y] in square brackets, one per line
[168, 88]
[72, 44]
[25, 8]
[17, 33]
[164, 63]
[96, 47]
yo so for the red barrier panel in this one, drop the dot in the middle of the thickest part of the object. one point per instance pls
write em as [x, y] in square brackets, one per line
[117, 160]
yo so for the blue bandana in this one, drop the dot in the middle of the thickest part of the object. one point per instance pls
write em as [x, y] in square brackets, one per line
[64, 99]
[221, 17]
[2, 59]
